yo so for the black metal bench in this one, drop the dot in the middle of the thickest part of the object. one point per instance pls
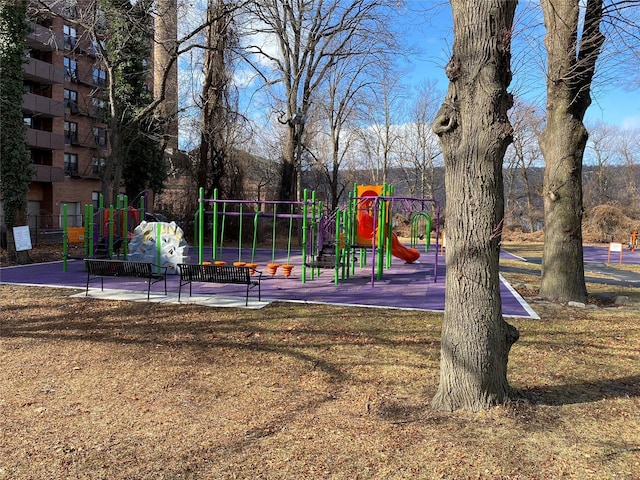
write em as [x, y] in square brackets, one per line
[190, 273]
[125, 269]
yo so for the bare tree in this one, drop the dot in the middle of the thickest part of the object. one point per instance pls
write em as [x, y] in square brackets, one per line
[628, 153]
[474, 131]
[575, 42]
[599, 157]
[342, 95]
[218, 105]
[310, 37]
[522, 189]
[91, 16]
[382, 113]
[420, 151]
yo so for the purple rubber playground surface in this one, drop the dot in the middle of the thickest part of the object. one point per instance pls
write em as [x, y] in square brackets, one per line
[598, 254]
[405, 286]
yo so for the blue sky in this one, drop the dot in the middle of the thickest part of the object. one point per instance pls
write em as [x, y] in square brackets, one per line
[426, 26]
[429, 28]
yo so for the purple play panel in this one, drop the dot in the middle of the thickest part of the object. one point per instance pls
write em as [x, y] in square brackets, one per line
[406, 286]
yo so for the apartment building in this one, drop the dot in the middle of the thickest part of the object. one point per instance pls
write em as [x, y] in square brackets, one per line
[63, 109]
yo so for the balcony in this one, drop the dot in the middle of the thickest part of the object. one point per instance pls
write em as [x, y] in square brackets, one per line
[42, 38]
[42, 72]
[48, 174]
[43, 106]
[44, 140]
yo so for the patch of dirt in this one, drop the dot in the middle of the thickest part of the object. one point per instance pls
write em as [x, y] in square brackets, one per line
[603, 223]
[599, 225]
[124, 390]
[518, 235]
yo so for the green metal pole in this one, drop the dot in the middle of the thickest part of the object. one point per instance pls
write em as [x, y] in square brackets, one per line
[111, 232]
[200, 223]
[65, 238]
[214, 233]
[415, 230]
[125, 227]
[85, 223]
[240, 236]
[273, 235]
[348, 240]
[388, 225]
[344, 252]
[304, 229]
[224, 221]
[255, 236]
[117, 221]
[158, 246]
[289, 236]
[101, 220]
[92, 226]
[427, 232]
[336, 254]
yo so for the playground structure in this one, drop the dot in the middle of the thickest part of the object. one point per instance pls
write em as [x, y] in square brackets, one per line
[327, 240]
[110, 231]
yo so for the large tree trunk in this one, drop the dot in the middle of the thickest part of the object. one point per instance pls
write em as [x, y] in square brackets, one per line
[214, 145]
[474, 133]
[571, 64]
[21, 257]
[288, 178]
[562, 145]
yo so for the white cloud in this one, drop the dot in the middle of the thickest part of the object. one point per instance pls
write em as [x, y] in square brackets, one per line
[630, 122]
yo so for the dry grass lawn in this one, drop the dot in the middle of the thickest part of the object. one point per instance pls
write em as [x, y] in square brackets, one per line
[95, 389]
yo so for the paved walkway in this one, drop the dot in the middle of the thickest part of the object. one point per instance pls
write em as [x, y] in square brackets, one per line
[403, 286]
[597, 261]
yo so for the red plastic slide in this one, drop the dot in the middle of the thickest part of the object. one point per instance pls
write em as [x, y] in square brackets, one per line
[398, 250]
[365, 230]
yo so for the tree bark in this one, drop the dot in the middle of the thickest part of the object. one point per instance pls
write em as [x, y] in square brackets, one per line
[571, 58]
[289, 172]
[474, 133]
[562, 145]
[216, 116]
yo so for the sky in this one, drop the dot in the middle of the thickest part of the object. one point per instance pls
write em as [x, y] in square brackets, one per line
[430, 31]
[426, 28]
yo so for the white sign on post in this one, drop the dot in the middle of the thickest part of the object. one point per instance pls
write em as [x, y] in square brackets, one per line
[615, 248]
[22, 238]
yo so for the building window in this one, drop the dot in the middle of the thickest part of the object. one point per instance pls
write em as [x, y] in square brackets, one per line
[99, 77]
[100, 137]
[98, 107]
[70, 133]
[70, 37]
[70, 164]
[27, 121]
[95, 200]
[71, 100]
[95, 47]
[98, 164]
[101, 21]
[70, 9]
[70, 70]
